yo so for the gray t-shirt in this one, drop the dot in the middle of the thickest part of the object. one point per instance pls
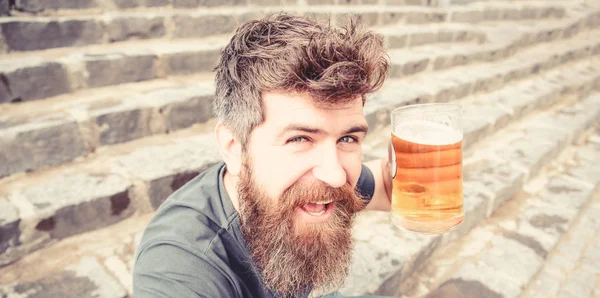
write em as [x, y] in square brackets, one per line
[194, 247]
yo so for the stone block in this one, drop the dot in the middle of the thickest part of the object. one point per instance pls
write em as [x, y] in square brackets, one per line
[491, 14]
[509, 14]
[71, 202]
[379, 268]
[412, 67]
[396, 41]
[586, 169]
[489, 83]
[35, 145]
[126, 28]
[529, 13]
[141, 3]
[167, 167]
[467, 16]
[4, 8]
[462, 89]
[87, 278]
[9, 225]
[421, 17]
[124, 123]
[40, 5]
[202, 25]
[113, 69]
[580, 283]
[395, 2]
[474, 280]
[157, 3]
[393, 17]
[544, 285]
[191, 61]
[267, 2]
[128, 3]
[520, 101]
[539, 226]
[562, 192]
[38, 35]
[513, 259]
[183, 107]
[498, 177]
[529, 153]
[475, 129]
[201, 3]
[480, 118]
[31, 80]
[422, 38]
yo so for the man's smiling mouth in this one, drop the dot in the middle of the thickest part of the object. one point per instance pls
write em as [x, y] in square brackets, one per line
[317, 208]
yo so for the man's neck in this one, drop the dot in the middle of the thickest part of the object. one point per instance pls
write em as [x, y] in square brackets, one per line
[230, 182]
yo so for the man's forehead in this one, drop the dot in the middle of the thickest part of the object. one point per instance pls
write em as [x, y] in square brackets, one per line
[282, 104]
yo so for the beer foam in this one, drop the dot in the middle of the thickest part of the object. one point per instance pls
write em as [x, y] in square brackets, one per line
[427, 133]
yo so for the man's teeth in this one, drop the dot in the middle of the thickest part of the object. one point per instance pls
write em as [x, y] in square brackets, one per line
[323, 202]
[316, 213]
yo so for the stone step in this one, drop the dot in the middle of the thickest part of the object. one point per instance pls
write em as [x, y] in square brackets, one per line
[399, 36]
[462, 81]
[113, 184]
[89, 119]
[542, 225]
[505, 41]
[112, 247]
[571, 269]
[30, 33]
[85, 278]
[494, 171]
[103, 65]
[77, 6]
[86, 121]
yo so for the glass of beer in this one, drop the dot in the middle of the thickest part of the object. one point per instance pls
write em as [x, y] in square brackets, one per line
[426, 167]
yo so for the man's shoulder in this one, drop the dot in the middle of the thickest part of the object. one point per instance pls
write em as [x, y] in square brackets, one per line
[188, 241]
[193, 215]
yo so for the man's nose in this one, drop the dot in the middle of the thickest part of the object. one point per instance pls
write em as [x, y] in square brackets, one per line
[329, 169]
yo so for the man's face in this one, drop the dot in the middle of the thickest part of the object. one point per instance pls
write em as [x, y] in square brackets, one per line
[297, 191]
[302, 143]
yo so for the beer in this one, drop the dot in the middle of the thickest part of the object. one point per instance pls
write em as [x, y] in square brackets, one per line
[426, 160]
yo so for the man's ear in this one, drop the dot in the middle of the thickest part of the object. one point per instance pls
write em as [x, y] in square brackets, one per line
[230, 148]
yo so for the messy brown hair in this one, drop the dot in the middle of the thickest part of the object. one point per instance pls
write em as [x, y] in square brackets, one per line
[294, 54]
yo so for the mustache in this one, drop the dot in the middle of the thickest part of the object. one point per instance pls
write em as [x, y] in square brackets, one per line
[301, 194]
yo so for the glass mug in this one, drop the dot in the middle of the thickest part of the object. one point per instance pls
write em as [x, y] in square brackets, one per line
[426, 167]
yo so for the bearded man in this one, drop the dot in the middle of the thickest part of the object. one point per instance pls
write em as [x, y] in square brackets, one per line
[274, 218]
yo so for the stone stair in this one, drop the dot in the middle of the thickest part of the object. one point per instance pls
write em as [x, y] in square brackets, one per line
[89, 155]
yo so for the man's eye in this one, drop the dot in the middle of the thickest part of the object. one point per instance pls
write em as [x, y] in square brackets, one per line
[349, 139]
[298, 139]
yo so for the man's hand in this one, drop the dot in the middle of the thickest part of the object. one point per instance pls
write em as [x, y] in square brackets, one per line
[382, 197]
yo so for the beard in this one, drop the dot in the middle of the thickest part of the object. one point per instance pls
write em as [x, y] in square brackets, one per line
[294, 257]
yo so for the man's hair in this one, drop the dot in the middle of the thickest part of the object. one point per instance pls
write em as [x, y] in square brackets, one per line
[294, 54]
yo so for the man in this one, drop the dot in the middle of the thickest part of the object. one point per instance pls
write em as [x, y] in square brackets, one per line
[274, 219]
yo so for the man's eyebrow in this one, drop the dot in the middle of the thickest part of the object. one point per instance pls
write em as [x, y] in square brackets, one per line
[301, 127]
[314, 130]
[357, 128]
